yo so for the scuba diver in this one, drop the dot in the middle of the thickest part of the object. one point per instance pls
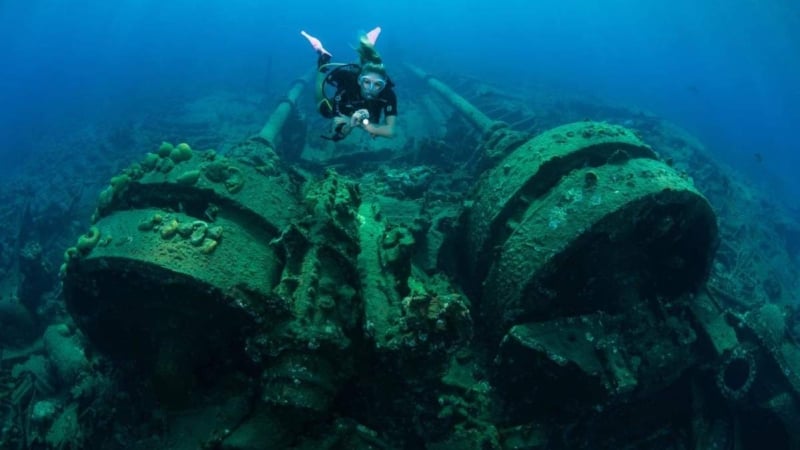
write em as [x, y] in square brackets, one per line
[363, 92]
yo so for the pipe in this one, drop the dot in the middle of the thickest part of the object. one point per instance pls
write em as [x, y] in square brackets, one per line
[279, 116]
[472, 113]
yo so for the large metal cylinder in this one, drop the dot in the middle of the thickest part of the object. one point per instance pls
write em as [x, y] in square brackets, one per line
[278, 117]
[583, 218]
[576, 240]
[194, 260]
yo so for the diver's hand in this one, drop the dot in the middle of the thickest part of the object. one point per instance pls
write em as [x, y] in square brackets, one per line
[359, 118]
[341, 124]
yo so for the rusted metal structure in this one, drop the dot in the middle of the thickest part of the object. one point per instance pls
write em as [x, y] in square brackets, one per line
[565, 293]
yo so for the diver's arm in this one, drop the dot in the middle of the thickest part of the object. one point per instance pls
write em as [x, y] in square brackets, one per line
[386, 130]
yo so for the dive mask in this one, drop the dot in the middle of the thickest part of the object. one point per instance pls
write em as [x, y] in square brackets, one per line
[371, 85]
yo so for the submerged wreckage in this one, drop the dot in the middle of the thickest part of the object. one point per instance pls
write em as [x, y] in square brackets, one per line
[573, 298]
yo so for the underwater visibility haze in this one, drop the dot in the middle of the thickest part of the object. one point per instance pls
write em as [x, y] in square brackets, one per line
[442, 225]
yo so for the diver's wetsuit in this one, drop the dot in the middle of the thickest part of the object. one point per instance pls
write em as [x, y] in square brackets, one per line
[348, 99]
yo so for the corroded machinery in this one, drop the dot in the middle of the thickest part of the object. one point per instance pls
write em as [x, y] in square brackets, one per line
[197, 261]
[581, 243]
[276, 310]
[586, 217]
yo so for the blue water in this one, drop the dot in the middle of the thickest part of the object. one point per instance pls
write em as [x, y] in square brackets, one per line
[727, 71]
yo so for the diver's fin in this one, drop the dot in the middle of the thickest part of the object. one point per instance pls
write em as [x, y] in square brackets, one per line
[372, 36]
[316, 43]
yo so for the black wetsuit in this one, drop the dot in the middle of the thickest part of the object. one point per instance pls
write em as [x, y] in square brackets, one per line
[348, 99]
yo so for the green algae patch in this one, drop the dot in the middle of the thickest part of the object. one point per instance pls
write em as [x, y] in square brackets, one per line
[189, 177]
[165, 149]
[89, 240]
[182, 152]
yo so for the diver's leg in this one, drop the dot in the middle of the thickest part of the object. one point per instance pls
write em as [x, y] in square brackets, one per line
[323, 104]
[316, 43]
[323, 59]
